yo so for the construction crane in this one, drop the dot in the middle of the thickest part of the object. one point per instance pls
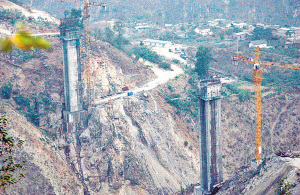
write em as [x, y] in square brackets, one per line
[257, 72]
[86, 16]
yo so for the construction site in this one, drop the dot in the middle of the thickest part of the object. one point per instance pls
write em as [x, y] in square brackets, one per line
[106, 122]
[210, 133]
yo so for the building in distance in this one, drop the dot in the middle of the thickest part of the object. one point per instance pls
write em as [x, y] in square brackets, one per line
[259, 43]
[153, 42]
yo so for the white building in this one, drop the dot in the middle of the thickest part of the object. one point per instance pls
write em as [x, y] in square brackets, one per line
[153, 42]
[203, 32]
[212, 23]
[261, 25]
[240, 25]
[282, 31]
[296, 30]
[241, 35]
[259, 43]
[144, 27]
[168, 26]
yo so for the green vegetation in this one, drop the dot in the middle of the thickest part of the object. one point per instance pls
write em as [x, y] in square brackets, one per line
[109, 36]
[186, 105]
[119, 40]
[285, 82]
[243, 95]
[31, 106]
[164, 65]
[147, 54]
[6, 90]
[74, 18]
[175, 61]
[22, 100]
[283, 187]
[186, 143]
[168, 36]
[11, 15]
[204, 57]
[151, 56]
[33, 114]
[10, 172]
[260, 33]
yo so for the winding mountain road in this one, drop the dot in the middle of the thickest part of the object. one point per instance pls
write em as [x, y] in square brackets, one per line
[163, 76]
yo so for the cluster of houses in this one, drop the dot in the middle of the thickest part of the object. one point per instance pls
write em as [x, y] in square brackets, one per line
[207, 29]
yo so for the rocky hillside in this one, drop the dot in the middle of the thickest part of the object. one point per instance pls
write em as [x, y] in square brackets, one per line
[46, 172]
[143, 144]
[275, 174]
[133, 145]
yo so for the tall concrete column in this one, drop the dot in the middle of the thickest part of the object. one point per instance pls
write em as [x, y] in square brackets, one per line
[70, 36]
[72, 74]
[210, 135]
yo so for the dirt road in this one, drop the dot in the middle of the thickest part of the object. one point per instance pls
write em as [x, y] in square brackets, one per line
[163, 76]
[164, 51]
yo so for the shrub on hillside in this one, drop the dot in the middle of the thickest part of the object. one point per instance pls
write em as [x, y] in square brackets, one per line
[164, 65]
[175, 61]
[147, 54]
[10, 172]
[6, 90]
[34, 117]
[186, 143]
[10, 15]
[22, 100]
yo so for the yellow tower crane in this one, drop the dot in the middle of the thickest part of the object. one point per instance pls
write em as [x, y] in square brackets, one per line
[257, 72]
[86, 16]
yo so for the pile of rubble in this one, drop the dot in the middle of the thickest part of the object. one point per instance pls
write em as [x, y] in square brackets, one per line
[294, 154]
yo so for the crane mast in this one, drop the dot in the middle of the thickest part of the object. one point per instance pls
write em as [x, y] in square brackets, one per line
[257, 78]
[86, 16]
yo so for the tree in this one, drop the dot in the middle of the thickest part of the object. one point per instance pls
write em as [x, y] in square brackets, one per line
[10, 172]
[167, 36]
[289, 33]
[109, 35]
[262, 33]
[147, 54]
[204, 57]
[6, 90]
[76, 13]
[182, 28]
[118, 27]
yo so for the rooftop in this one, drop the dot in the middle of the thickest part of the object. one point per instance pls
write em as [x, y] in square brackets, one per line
[156, 41]
[258, 42]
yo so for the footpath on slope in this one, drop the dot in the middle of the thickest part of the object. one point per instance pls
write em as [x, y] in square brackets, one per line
[7, 32]
[163, 76]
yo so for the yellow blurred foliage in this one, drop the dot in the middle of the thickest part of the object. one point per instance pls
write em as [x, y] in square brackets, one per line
[23, 40]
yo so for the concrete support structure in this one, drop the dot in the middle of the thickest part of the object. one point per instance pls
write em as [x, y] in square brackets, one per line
[210, 135]
[71, 69]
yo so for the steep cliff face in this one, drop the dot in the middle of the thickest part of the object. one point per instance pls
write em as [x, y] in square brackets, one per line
[133, 146]
[265, 179]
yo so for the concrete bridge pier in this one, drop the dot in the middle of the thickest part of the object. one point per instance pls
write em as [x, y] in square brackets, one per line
[70, 37]
[210, 136]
